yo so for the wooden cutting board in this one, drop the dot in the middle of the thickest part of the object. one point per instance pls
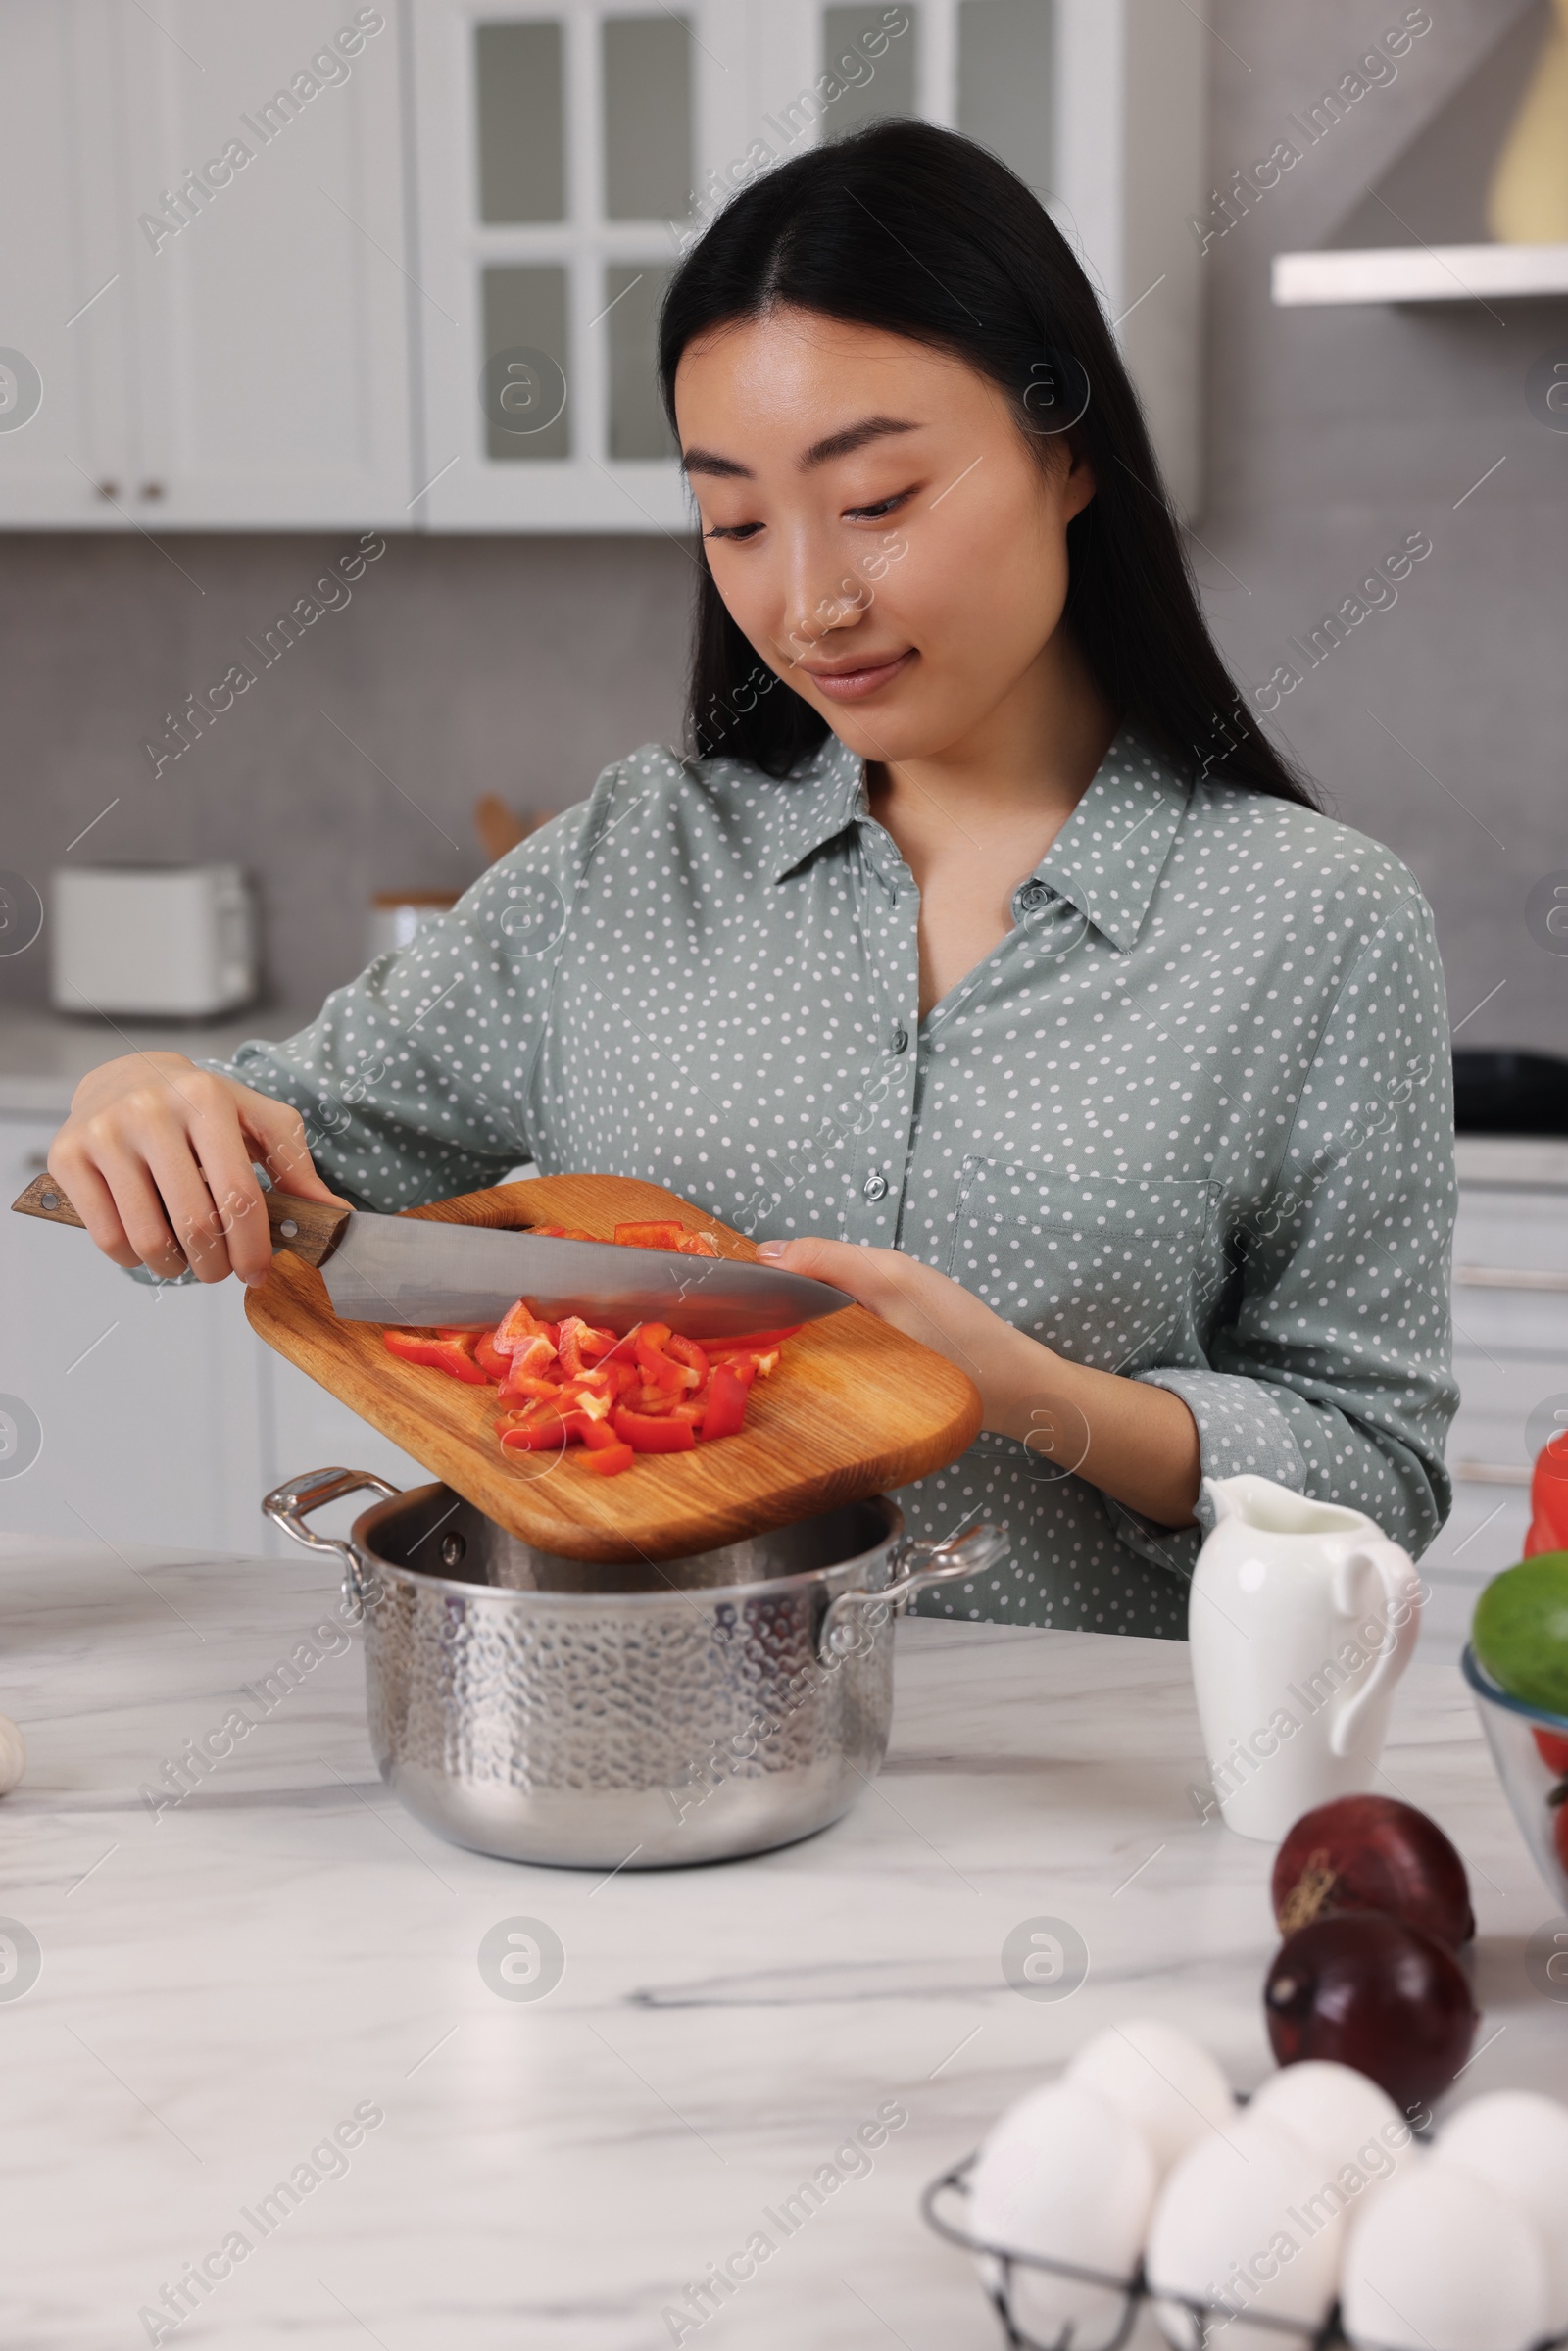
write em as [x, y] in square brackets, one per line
[853, 1409]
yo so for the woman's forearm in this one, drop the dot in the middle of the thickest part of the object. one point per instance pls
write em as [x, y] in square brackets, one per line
[1136, 1442]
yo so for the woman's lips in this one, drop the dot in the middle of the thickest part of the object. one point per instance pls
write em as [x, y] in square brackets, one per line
[853, 685]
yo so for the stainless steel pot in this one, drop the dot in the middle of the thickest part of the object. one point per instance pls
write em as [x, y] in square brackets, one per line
[636, 1716]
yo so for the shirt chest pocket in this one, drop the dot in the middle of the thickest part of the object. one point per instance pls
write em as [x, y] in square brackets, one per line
[1103, 1269]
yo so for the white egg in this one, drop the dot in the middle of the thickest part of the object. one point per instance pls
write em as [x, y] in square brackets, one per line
[1244, 2220]
[1440, 2262]
[1356, 2128]
[13, 1755]
[1518, 2143]
[1161, 2080]
[1063, 2173]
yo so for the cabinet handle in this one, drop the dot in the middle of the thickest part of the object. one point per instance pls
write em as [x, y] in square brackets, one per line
[152, 489]
[1492, 1473]
[107, 489]
[1508, 1277]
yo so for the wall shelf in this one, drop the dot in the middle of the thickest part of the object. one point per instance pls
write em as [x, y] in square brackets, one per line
[1420, 274]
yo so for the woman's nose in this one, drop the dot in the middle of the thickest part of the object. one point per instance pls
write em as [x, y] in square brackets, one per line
[816, 611]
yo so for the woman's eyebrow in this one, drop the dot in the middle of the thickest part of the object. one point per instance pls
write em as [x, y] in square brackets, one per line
[835, 444]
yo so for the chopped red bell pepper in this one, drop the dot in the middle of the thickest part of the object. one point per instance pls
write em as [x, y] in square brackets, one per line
[647, 1389]
[546, 1435]
[531, 1357]
[518, 1323]
[725, 1409]
[659, 1367]
[581, 1345]
[695, 1359]
[451, 1355]
[663, 1233]
[524, 1391]
[752, 1341]
[647, 1435]
[597, 1435]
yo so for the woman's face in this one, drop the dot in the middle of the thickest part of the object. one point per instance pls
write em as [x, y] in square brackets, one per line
[880, 529]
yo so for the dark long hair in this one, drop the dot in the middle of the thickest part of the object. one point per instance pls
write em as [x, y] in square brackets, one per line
[920, 232]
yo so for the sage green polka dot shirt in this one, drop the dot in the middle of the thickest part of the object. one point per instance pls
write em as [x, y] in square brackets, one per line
[1189, 1123]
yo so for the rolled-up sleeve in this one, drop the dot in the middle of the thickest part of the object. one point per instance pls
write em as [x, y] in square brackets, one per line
[414, 1080]
[1331, 1372]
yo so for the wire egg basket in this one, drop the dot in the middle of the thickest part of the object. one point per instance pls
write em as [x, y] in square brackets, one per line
[1209, 2320]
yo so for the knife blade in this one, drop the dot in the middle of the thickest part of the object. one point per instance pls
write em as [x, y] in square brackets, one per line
[416, 1271]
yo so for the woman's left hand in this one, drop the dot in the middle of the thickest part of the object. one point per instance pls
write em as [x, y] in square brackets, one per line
[1137, 1442]
[930, 1306]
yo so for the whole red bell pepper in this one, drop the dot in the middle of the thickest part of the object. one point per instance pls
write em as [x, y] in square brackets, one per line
[1548, 1499]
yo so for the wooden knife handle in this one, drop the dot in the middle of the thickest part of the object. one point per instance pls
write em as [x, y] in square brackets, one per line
[311, 1228]
[44, 1197]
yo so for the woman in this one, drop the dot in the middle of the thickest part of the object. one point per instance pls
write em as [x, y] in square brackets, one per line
[985, 958]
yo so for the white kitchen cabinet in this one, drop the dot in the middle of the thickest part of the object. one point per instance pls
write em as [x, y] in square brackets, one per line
[567, 148]
[212, 283]
[66, 359]
[132, 1415]
[141, 1405]
[240, 318]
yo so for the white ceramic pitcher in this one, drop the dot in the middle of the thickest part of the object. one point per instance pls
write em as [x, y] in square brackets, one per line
[1304, 1616]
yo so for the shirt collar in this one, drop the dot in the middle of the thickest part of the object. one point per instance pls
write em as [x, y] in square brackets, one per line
[1107, 860]
[826, 794]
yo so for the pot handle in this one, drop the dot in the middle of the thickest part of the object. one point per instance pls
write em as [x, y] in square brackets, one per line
[916, 1567]
[289, 1506]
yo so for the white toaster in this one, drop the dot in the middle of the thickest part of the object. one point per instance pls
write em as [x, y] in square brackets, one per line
[163, 941]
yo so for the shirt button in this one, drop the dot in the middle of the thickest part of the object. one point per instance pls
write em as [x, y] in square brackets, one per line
[899, 1042]
[875, 1186]
[1033, 895]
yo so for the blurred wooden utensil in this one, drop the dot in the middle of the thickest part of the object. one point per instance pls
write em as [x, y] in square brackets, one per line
[499, 827]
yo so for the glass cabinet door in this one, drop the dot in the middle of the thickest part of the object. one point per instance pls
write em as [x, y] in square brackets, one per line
[569, 150]
[560, 148]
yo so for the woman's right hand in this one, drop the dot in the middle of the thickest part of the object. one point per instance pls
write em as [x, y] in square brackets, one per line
[156, 1160]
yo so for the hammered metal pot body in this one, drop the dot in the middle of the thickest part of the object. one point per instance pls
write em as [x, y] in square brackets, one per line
[544, 1709]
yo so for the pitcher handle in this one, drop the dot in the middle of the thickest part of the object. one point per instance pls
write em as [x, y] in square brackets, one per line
[289, 1506]
[916, 1567]
[1402, 1594]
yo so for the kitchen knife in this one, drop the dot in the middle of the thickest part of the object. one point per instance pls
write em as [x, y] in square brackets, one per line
[414, 1270]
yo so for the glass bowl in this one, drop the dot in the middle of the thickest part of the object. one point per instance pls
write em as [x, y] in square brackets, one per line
[1530, 1748]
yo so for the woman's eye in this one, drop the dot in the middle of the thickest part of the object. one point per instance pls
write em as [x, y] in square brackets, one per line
[875, 513]
[734, 530]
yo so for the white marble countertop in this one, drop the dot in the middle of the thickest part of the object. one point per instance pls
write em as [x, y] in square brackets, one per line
[224, 1985]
